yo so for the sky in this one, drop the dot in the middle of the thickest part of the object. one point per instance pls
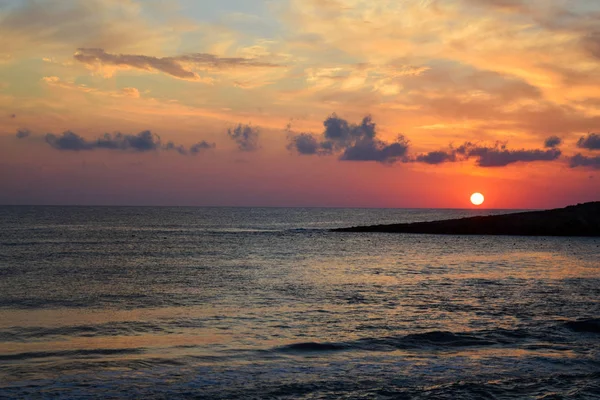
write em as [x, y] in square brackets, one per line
[333, 103]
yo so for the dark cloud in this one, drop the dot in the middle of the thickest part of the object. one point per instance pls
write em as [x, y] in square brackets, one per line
[193, 149]
[338, 130]
[201, 146]
[497, 155]
[353, 142]
[579, 160]
[168, 65]
[552, 142]
[246, 137]
[22, 133]
[500, 156]
[376, 150]
[68, 141]
[437, 157]
[145, 141]
[591, 142]
[178, 148]
[305, 143]
[212, 61]
[13, 115]
[174, 66]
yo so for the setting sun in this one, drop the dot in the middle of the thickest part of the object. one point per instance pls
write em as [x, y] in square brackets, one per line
[477, 199]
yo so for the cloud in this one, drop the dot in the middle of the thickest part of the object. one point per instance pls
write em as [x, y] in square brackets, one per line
[591, 142]
[178, 148]
[130, 92]
[305, 143]
[55, 81]
[351, 142]
[68, 141]
[213, 62]
[579, 160]
[499, 156]
[376, 150]
[246, 137]
[201, 146]
[385, 79]
[143, 142]
[194, 149]
[179, 67]
[552, 142]
[167, 65]
[436, 157]
[22, 133]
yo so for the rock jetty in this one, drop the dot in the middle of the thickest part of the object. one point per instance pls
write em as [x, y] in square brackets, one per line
[578, 220]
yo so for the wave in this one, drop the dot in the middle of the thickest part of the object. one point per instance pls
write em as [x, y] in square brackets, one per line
[413, 341]
[552, 336]
[25, 334]
[313, 346]
[591, 325]
[127, 328]
[68, 353]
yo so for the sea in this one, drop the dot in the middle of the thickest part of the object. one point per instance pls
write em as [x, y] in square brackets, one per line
[268, 303]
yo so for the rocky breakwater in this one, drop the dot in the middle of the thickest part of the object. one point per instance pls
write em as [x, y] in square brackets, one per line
[578, 220]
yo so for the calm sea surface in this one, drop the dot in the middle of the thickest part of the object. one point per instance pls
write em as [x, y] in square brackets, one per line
[249, 303]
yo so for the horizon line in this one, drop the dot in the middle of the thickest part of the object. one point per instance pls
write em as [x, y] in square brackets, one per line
[271, 206]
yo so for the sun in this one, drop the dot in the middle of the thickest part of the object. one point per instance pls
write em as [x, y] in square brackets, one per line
[477, 199]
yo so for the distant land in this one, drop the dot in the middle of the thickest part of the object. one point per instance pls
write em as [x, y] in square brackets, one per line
[578, 220]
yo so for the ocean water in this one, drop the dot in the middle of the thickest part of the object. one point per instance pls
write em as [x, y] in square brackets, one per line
[249, 303]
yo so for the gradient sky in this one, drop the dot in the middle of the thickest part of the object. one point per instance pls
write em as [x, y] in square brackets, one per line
[386, 103]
